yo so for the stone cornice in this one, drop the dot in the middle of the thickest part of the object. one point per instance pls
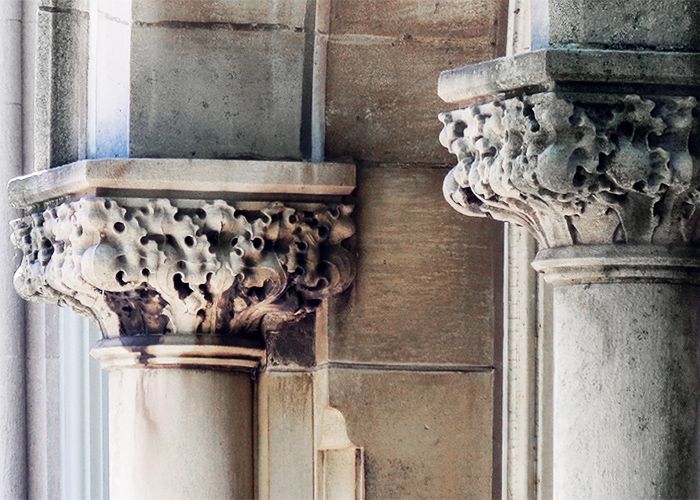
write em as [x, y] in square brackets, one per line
[184, 178]
[580, 168]
[553, 68]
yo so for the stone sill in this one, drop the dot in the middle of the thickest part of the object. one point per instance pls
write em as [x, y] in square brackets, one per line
[185, 178]
[544, 69]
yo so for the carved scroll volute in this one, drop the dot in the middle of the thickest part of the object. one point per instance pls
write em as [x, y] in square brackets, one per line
[151, 267]
[580, 168]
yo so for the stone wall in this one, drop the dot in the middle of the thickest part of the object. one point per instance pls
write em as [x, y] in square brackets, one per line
[414, 344]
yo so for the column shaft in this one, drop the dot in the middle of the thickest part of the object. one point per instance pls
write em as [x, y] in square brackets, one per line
[180, 433]
[626, 390]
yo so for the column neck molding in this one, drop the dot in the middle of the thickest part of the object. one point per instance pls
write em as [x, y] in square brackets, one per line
[588, 264]
[179, 280]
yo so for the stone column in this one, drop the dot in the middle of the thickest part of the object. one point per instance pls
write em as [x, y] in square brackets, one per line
[185, 284]
[13, 411]
[597, 152]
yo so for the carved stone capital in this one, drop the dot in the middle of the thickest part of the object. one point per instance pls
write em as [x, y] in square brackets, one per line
[189, 270]
[580, 168]
[156, 266]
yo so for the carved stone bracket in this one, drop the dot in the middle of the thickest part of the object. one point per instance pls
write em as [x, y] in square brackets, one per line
[181, 267]
[580, 168]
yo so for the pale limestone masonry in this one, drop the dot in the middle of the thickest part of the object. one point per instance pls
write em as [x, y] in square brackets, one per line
[595, 151]
[347, 401]
[179, 283]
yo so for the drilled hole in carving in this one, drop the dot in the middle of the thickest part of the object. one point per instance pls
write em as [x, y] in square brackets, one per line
[201, 313]
[145, 272]
[183, 289]
[458, 128]
[238, 251]
[302, 245]
[323, 231]
[258, 243]
[234, 242]
[179, 216]
[625, 129]
[335, 212]
[575, 120]
[579, 176]
[181, 264]
[189, 241]
[655, 140]
[639, 186]
[119, 227]
[490, 153]
[293, 219]
[120, 278]
[201, 213]
[108, 204]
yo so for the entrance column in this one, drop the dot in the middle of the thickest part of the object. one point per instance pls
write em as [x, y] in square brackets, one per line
[593, 144]
[185, 265]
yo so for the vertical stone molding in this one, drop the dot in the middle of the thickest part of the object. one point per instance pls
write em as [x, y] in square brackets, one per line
[599, 159]
[184, 276]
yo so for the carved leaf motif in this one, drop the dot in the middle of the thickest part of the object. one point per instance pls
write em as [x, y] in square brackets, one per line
[161, 268]
[580, 168]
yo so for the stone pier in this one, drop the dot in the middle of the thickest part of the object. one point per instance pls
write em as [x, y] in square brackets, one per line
[185, 285]
[592, 142]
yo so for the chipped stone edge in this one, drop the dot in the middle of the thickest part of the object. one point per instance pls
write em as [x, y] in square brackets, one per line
[157, 176]
[543, 69]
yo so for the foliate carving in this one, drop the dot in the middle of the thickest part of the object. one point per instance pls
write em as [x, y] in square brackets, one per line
[155, 267]
[580, 168]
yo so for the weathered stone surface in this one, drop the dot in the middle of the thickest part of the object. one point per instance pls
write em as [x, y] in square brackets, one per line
[398, 309]
[13, 385]
[61, 87]
[180, 434]
[381, 104]
[153, 267]
[282, 14]
[581, 168]
[626, 391]
[548, 69]
[426, 435]
[172, 177]
[449, 19]
[205, 91]
[644, 24]
[286, 445]
[111, 94]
